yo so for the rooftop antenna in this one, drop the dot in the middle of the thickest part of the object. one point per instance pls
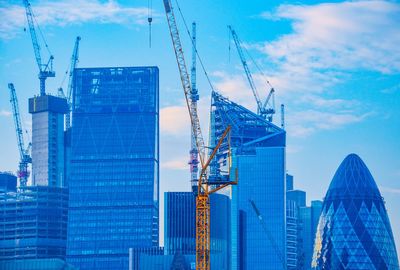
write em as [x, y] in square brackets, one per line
[150, 18]
[282, 116]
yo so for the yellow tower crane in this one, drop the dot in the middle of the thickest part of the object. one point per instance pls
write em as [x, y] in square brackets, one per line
[205, 188]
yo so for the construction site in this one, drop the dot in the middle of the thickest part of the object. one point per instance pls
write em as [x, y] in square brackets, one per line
[103, 126]
[89, 191]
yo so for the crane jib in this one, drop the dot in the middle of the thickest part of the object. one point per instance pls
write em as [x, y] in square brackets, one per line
[167, 6]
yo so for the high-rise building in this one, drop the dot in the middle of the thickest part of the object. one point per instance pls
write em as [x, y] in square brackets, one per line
[301, 224]
[180, 235]
[258, 152]
[114, 178]
[295, 200]
[307, 224]
[33, 223]
[354, 231]
[33, 219]
[292, 235]
[48, 140]
[180, 226]
[179, 222]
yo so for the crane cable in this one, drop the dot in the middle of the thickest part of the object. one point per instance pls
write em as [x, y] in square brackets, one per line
[41, 34]
[197, 53]
[258, 67]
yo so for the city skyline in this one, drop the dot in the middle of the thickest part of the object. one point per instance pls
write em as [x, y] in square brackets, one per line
[341, 95]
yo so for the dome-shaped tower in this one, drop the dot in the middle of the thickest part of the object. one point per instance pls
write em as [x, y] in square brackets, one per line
[354, 230]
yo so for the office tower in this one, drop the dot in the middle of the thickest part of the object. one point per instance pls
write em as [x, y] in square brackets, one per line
[48, 140]
[354, 231]
[180, 226]
[33, 219]
[258, 152]
[291, 235]
[301, 224]
[33, 223]
[295, 201]
[307, 225]
[179, 222]
[114, 159]
[180, 235]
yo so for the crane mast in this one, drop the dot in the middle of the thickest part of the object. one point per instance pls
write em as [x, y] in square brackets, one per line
[74, 62]
[24, 155]
[184, 75]
[203, 187]
[45, 70]
[261, 107]
[194, 97]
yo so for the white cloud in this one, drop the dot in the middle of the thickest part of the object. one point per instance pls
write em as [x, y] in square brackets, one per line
[391, 90]
[390, 190]
[329, 41]
[5, 113]
[327, 103]
[177, 164]
[343, 36]
[65, 12]
[175, 120]
[305, 123]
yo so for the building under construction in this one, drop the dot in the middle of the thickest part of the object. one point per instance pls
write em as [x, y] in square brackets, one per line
[258, 151]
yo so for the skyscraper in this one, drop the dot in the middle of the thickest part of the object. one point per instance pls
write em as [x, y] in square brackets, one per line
[295, 200]
[180, 226]
[180, 235]
[33, 220]
[354, 230]
[258, 152]
[114, 176]
[48, 140]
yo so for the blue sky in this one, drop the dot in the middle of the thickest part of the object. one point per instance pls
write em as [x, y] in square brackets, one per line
[336, 67]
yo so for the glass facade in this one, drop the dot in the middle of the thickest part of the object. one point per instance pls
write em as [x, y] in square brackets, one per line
[295, 200]
[180, 230]
[292, 246]
[114, 158]
[179, 222]
[33, 223]
[36, 264]
[258, 152]
[354, 231]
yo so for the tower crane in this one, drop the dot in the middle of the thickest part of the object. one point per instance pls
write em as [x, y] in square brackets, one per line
[204, 187]
[24, 153]
[194, 97]
[74, 62]
[45, 70]
[262, 110]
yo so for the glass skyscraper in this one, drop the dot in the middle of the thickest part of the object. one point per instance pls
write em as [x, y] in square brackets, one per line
[180, 226]
[301, 224]
[258, 152]
[114, 170]
[354, 230]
